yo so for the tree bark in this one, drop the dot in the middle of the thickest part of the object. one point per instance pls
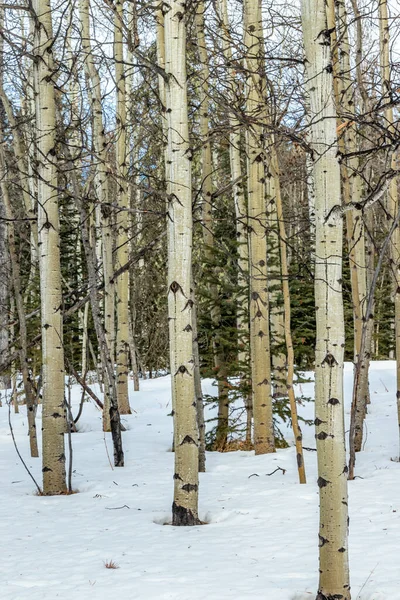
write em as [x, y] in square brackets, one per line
[101, 190]
[329, 357]
[19, 302]
[53, 412]
[208, 235]
[392, 204]
[122, 254]
[235, 100]
[352, 192]
[178, 173]
[259, 303]
[298, 437]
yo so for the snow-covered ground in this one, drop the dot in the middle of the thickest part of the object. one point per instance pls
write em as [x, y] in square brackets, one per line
[261, 538]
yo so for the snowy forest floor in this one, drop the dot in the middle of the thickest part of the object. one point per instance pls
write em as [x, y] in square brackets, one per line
[260, 541]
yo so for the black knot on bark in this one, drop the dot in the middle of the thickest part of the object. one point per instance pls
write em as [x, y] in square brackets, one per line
[322, 541]
[188, 440]
[330, 360]
[190, 487]
[333, 401]
[321, 482]
[174, 287]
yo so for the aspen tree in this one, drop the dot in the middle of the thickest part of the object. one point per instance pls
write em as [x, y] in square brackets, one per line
[392, 196]
[122, 254]
[351, 192]
[235, 97]
[180, 226]
[53, 414]
[277, 321]
[197, 388]
[110, 387]
[329, 402]
[298, 437]
[5, 380]
[19, 302]
[134, 194]
[259, 303]
[101, 189]
[208, 236]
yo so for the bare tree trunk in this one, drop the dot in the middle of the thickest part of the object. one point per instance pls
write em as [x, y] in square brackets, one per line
[53, 412]
[110, 392]
[101, 188]
[197, 386]
[235, 100]
[122, 254]
[208, 236]
[178, 171]
[392, 197]
[5, 379]
[277, 321]
[329, 401]
[16, 282]
[259, 303]
[298, 437]
[352, 192]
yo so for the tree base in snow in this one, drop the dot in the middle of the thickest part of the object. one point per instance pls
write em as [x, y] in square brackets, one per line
[321, 596]
[182, 516]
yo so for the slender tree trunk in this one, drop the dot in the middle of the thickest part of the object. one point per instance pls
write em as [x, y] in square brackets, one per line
[85, 322]
[277, 321]
[110, 392]
[53, 413]
[392, 197]
[298, 437]
[259, 304]
[352, 192]
[178, 171]
[16, 282]
[197, 387]
[101, 190]
[235, 99]
[122, 341]
[5, 380]
[208, 235]
[329, 401]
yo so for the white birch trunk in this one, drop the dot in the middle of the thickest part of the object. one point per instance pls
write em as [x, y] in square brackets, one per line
[329, 408]
[235, 99]
[53, 413]
[101, 187]
[122, 254]
[178, 171]
[259, 303]
[392, 196]
[208, 235]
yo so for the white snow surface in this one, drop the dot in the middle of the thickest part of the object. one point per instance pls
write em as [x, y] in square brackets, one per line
[260, 540]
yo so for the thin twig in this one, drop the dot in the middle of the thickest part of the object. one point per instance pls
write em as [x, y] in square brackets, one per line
[277, 469]
[18, 452]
